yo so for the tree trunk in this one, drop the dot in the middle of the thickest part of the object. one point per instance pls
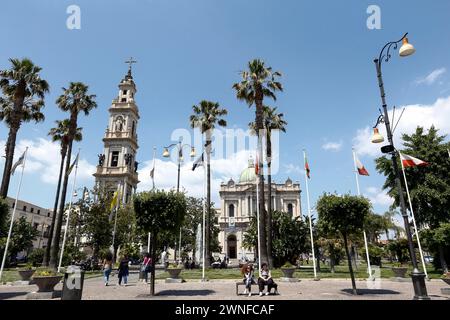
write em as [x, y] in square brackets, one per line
[444, 265]
[332, 261]
[9, 154]
[269, 216]
[349, 260]
[55, 210]
[262, 207]
[152, 274]
[208, 202]
[56, 237]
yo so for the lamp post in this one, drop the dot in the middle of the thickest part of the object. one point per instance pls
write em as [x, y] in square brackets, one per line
[418, 278]
[166, 154]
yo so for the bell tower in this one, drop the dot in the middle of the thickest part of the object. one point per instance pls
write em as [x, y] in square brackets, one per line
[117, 165]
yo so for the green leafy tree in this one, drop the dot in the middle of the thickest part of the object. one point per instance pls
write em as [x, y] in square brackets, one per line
[126, 230]
[374, 225]
[23, 98]
[60, 134]
[429, 186]
[74, 100]
[22, 236]
[207, 115]
[290, 237]
[157, 212]
[4, 213]
[344, 214]
[272, 121]
[194, 218]
[257, 83]
[400, 250]
[438, 242]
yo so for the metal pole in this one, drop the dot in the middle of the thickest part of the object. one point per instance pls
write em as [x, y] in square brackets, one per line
[68, 214]
[115, 223]
[257, 221]
[369, 268]
[148, 242]
[310, 220]
[414, 222]
[204, 224]
[13, 214]
[418, 278]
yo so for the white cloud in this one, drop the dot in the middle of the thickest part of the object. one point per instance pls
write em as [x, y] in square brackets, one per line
[333, 146]
[291, 168]
[432, 77]
[378, 196]
[44, 158]
[437, 114]
[192, 181]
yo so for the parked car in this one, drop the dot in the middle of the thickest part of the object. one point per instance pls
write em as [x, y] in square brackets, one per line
[428, 259]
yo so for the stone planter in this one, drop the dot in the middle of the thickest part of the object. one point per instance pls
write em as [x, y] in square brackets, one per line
[174, 275]
[47, 284]
[288, 275]
[174, 272]
[446, 280]
[399, 272]
[25, 275]
[288, 272]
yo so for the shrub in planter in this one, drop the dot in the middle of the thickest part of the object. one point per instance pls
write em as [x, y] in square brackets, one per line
[36, 256]
[288, 270]
[375, 254]
[399, 270]
[174, 270]
[46, 279]
[26, 272]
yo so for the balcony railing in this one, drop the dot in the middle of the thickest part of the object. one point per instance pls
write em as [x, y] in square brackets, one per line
[120, 134]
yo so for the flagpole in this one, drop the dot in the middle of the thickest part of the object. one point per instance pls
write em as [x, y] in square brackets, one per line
[13, 214]
[257, 219]
[310, 220]
[204, 222]
[115, 222]
[153, 169]
[414, 221]
[68, 214]
[369, 268]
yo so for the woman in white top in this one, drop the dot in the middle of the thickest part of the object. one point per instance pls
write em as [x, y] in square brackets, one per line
[265, 279]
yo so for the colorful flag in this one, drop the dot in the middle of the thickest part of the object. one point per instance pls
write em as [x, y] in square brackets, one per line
[257, 165]
[18, 163]
[152, 173]
[307, 168]
[75, 162]
[409, 161]
[114, 200]
[198, 162]
[361, 169]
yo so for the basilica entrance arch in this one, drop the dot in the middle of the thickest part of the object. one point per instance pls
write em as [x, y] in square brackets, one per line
[231, 246]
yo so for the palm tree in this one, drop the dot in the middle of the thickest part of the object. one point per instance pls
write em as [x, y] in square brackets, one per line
[74, 100]
[258, 82]
[23, 98]
[272, 121]
[59, 133]
[387, 216]
[206, 115]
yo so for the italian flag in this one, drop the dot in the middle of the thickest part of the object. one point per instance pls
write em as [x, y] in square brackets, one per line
[361, 169]
[408, 161]
[307, 168]
[257, 164]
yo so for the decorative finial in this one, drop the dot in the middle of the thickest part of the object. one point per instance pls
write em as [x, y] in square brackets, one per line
[130, 65]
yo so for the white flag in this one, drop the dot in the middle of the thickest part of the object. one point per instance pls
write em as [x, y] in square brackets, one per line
[18, 163]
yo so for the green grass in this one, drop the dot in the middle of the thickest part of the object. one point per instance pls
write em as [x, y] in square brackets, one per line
[341, 272]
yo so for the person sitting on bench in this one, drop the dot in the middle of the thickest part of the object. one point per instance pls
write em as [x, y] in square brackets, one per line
[265, 279]
[247, 272]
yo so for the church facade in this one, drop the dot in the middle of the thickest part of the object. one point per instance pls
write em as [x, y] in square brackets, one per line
[238, 205]
[117, 165]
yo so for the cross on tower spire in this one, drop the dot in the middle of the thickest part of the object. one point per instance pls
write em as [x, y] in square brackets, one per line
[130, 62]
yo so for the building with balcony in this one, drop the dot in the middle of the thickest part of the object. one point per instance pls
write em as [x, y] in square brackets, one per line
[40, 218]
[117, 165]
[238, 205]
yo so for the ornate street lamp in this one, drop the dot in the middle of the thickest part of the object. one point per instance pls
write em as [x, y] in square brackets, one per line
[418, 278]
[166, 154]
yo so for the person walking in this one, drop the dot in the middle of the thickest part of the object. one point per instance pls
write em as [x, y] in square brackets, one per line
[247, 272]
[123, 270]
[265, 279]
[146, 266]
[107, 267]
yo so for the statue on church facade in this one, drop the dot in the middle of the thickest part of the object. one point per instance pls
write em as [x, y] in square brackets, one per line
[101, 159]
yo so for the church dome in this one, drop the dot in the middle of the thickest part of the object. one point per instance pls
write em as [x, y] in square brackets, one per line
[248, 175]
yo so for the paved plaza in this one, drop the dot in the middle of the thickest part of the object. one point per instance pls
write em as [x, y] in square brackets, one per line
[325, 289]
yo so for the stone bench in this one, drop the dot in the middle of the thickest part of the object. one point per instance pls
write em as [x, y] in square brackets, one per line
[241, 283]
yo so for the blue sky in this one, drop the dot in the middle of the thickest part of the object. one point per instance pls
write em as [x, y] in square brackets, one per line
[193, 50]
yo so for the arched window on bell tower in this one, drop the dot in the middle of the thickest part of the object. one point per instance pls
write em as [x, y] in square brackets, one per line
[231, 210]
